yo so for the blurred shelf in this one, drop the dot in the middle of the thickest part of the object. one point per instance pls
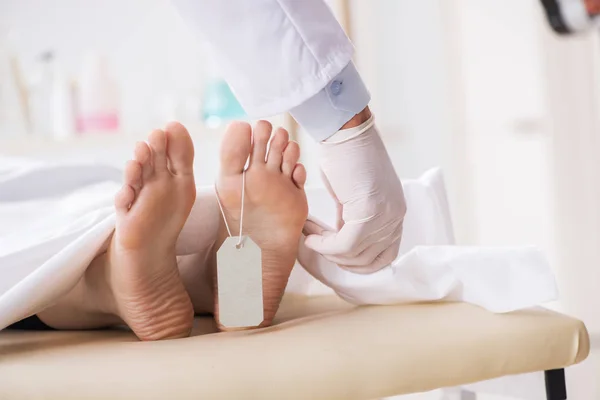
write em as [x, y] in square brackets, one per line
[115, 148]
[110, 149]
[36, 145]
[48, 147]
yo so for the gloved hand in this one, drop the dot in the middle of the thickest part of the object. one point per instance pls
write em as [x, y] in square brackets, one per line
[359, 174]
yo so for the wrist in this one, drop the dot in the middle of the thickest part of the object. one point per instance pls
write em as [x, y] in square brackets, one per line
[342, 100]
[358, 119]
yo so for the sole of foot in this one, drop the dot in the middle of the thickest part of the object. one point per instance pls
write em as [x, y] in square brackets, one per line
[275, 206]
[152, 207]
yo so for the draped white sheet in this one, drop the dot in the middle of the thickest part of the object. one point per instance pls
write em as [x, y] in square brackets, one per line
[55, 218]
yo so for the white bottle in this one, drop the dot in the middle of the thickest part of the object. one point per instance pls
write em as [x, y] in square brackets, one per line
[97, 107]
[14, 115]
[63, 106]
[41, 99]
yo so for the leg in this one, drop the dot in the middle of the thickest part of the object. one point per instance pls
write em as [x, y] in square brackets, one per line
[136, 281]
[196, 250]
[556, 387]
[275, 206]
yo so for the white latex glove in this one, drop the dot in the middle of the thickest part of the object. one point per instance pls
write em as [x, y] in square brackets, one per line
[371, 207]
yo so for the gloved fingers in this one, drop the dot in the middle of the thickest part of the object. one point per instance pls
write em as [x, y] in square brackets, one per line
[315, 264]
[355, 238]
[373, 264]
[371, 260]
[378, 235]
[378, 254]
[339, 208]
[307, 257]
[334, 243]
[366, 258]
[313, 226]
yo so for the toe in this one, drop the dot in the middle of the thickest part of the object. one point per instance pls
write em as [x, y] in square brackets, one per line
[299, 176]
[235, 148]
[143, 155]
[158, 144]
[180, 149]
[124, 198]
[142, 152]
[132, 176]
[291, 155]
[261, 135]
[278, 142]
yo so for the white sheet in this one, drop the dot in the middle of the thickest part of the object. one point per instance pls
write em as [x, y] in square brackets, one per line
[55, 218]
[430, 267]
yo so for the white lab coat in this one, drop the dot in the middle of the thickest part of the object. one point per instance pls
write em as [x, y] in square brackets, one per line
[280, 56]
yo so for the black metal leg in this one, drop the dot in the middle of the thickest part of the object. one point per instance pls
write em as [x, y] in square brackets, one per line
[556, 386]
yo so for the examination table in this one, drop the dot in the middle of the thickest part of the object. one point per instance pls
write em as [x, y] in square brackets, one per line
[319, 348]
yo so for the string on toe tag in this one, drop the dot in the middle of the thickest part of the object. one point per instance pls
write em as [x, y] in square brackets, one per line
[241, 237]
[239, 276]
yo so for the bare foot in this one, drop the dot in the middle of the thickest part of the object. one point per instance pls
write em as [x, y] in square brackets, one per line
[152, 207]
[275, 208]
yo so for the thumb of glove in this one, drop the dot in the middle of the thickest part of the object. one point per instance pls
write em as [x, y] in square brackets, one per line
[313, 226]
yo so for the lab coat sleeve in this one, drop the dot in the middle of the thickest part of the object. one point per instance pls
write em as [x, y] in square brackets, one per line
[282, 55]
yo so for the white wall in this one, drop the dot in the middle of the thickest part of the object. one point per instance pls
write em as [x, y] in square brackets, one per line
[408, 52]
[574, 105]
[506, 123]
[400, 49]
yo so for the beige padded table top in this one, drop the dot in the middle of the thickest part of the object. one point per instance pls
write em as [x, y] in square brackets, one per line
[321, 348]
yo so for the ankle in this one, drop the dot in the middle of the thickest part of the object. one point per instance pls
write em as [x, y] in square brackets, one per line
[97, 294]
[80, 309]
[279, 265]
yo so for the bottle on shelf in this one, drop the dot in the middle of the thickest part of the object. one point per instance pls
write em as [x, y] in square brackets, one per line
[14, 108]
[219, 104]
[98, 97]
[41, 97]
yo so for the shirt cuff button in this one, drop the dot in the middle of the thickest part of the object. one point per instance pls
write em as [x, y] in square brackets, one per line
[336, 87]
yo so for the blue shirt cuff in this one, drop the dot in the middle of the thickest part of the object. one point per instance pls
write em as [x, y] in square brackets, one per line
[326, 112]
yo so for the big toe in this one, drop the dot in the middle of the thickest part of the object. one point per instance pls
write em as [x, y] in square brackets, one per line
[180, 149]
[235, 148]
[261, 136]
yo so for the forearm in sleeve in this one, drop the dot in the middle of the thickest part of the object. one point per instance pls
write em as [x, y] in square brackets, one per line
[280, 56]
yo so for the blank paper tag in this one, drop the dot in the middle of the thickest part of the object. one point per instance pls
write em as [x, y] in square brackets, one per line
[239, 280]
